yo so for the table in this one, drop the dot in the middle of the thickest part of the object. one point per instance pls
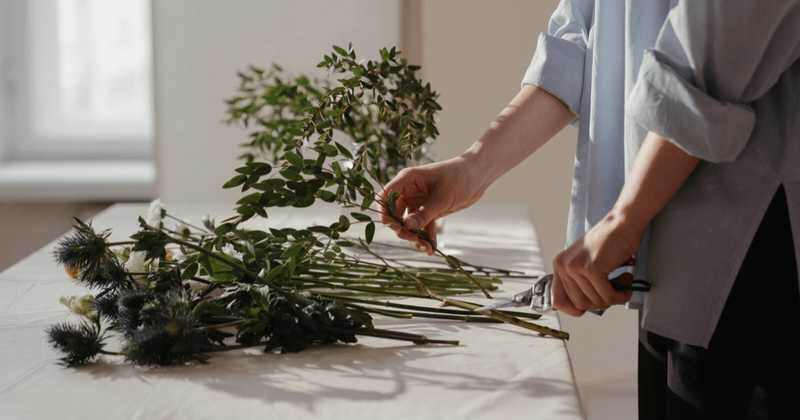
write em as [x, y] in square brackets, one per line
[497, 370]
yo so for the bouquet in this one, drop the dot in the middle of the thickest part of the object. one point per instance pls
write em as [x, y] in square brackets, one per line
[177, 294]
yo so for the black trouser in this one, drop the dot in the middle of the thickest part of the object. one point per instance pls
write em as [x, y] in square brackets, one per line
[750, 369]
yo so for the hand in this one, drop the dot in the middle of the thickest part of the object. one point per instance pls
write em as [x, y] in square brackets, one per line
[430, 192]
[580, 280]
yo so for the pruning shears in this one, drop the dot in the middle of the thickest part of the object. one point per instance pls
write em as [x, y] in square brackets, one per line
[540, 296]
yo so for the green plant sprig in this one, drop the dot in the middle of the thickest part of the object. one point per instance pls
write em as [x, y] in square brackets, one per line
[173, 311]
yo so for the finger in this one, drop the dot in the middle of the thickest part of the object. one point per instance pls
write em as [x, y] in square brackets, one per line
[609, 295]
[622, 296]
[582, 292]
[561, 300]
[428, 212]
[407, 236]
[624, 278]
[630, 262]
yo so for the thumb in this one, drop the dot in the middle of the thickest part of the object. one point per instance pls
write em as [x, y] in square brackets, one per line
[425, 213]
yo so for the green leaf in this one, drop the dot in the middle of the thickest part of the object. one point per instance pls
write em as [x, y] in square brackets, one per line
[275, 272]
[320, 229]
[361, 217]
[294, 159]
[222, 229]
[246, 211]
[294, 132]
[366, 203]
[292, 251]
[291, 175]
[249, 198]
[340, 50]
[261, 170]
[235, 181]
[324, 124]
[219, 270]
[330, 150]
[326, 196]
[189, 271]
[269, 184]
[369, 232]
[344, 222]
[343, 150]
[453, 262]
[333, 112]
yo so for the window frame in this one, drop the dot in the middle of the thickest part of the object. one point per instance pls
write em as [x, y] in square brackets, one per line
[18, 141]
[73, 170]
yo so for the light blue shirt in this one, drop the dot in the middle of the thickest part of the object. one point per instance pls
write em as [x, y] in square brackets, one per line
[721, 80]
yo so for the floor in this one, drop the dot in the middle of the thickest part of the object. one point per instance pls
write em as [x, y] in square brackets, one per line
[610, 400]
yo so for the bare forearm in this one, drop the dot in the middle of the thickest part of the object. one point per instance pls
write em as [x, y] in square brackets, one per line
[532, 118]
[658, 172]
[581, 271]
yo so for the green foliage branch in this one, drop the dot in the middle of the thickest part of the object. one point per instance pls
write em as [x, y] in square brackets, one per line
[283, 287]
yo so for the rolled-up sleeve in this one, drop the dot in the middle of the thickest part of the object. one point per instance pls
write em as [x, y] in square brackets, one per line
[558, 63]
[711, 60]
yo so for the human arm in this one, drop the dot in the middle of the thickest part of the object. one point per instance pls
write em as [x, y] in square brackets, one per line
[694, 89]
[581, 271]
[437, 190]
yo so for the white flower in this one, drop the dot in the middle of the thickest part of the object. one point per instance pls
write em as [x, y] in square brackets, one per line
[230, 250]
[80, 305]
[135, 264]
[182, 227]
[176, 254]
[207, 221]
[154, 213]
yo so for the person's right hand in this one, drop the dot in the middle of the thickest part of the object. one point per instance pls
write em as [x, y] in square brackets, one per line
[428, 193]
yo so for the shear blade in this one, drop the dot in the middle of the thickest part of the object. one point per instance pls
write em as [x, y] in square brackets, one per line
[501, 304]
[520, 299]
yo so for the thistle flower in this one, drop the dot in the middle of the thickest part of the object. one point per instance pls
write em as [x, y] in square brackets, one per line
[88, 252]
[129, 308]
[169, 332]
[106, 306]
[81, 343]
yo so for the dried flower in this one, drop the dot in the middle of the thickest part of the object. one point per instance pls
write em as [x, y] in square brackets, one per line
[87, 251]
[81, 343]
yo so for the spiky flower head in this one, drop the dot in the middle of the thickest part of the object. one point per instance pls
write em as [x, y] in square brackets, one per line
[168, 331]
[80, 343]
[88, 252]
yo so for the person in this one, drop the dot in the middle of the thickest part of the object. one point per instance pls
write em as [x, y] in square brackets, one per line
[687, 159]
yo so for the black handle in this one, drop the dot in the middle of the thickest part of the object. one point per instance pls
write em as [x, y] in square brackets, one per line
[636, 286]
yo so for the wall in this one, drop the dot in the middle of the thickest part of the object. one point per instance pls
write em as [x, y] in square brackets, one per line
[199, 46]
[474, 53]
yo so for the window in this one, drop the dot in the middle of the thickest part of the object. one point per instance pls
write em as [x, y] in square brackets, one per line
[76, 81]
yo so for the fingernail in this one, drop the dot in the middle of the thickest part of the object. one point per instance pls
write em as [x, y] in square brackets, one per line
[411, 223]
[424, 249]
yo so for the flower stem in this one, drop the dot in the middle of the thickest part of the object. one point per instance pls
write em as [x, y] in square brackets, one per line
[542, 330]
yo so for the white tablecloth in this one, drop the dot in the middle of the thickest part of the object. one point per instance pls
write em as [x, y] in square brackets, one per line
[497, 370]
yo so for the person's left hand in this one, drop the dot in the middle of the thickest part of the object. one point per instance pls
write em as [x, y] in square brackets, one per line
[580, 278]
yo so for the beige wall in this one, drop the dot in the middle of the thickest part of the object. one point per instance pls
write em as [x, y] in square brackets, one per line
[474, 53]
[199, 46]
